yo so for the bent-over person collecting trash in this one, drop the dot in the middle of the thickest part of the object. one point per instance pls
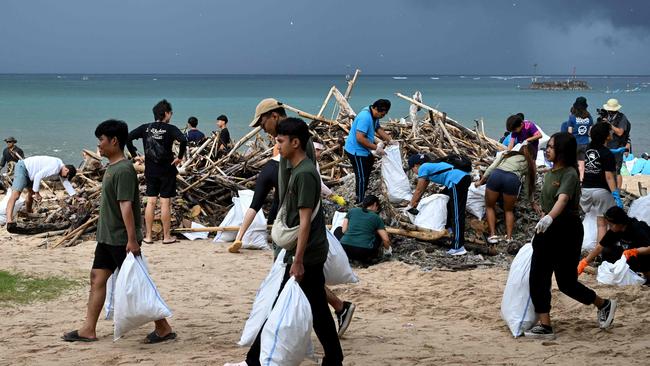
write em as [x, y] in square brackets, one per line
[119, 230]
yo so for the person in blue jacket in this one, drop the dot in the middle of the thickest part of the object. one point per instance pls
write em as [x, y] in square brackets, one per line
[456, 184]
[360, 144]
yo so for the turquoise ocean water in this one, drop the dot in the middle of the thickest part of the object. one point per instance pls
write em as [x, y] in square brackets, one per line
[57, 114]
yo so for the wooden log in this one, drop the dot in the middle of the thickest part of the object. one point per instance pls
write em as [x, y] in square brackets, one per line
[76, 231]
[351, 83]
[420, 235]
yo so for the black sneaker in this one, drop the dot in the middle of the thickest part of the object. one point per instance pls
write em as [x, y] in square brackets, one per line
[345, 316]
[606, 314]
[540, 331]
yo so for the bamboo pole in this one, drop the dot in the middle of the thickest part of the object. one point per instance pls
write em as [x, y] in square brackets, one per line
[327, 99]
[74, 232]
[441, 124]
[351, 83]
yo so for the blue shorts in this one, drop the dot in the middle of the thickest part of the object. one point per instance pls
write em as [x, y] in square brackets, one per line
[21, 178]
[504, 182]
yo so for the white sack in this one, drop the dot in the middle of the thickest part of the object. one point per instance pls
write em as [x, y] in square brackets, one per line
[433, 212]
[337, 220]
[392, 172]
[266, 295]
[516, 306]
[234, 217]
[196, 235]
[137, 300]
[109, 302]
[541, 160]
[590, 227]
[256, 237]
[20, 203]
[476, 201]
[618, 273]
[286, 337]
[640, 209]
[337, 268]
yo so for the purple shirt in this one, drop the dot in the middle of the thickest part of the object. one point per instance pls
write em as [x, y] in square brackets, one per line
[528, 130]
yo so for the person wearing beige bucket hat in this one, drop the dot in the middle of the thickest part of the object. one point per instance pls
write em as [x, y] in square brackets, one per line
[621, 127]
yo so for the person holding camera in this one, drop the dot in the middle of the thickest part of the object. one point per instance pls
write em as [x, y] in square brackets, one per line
[621, 128]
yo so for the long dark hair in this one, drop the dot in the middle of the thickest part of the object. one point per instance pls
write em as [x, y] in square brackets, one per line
[581, 113]
[599, 133]
[532, 170]
[565, 148]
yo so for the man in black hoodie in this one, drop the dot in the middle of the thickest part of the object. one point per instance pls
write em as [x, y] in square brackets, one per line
[160, 165]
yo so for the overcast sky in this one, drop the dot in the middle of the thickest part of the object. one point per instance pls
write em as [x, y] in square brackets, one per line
[325, 37]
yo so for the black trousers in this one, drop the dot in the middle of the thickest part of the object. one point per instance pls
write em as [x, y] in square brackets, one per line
[313, 285]
[558, 251]
[456, 209]
[362, 166]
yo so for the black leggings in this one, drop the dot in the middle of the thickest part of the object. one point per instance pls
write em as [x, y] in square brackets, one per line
[456, 209]
[558, 251]
[313, 285]
[362, 166]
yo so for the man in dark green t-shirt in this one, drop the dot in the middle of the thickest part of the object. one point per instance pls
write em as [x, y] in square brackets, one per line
[119, 229]
[308, 258]
[364, 231]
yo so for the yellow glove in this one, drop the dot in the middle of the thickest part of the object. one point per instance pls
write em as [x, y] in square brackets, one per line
[338, 200]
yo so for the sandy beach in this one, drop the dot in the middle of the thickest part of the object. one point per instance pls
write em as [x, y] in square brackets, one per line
[405, 316]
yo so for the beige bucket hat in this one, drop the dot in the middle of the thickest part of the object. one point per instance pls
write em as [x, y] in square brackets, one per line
[612, 105]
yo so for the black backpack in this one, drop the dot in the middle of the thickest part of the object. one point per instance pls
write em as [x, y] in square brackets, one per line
[457, 161]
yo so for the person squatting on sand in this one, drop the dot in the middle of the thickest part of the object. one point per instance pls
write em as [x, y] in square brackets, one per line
[504, 178]
[627, 237]
[119, 230]
[360, 146]
[306, 261]
[268, 115]
[363, 233]
[523, 131]
[558, 240]
[160, 166]
[28, 174]
[599, 191]
[580, 123]
[456, 183]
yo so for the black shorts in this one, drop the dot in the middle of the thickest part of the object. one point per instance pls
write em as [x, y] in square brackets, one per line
[109, 257]
[163, 186]
[503, 182]
[582, 152]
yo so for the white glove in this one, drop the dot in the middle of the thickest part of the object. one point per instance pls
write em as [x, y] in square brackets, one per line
[388, 252]
[524, 143]
[379, 151]
[543, 224]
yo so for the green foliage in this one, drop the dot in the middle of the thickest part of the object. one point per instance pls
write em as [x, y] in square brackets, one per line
[19, 288]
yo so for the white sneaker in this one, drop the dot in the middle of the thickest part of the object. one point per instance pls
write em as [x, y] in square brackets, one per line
[459, 251]
[243, 363]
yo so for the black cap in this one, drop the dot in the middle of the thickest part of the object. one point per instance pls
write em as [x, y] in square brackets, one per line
[616, 215]
[417, 159]
[580, 103]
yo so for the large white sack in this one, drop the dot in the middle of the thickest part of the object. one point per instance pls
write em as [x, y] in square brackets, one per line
[590, 227]
[541, 160]
[256, 237]
[392, 172]
[137, 300]
[516, 306]
[337, 220]
[286, 337]
[20, 203]
[337, 268]
[433, 212]
[618, 273]
[545, 137]
[234, 217]
[476, 201]
[640, 209]
[266, 295]
[109, 302]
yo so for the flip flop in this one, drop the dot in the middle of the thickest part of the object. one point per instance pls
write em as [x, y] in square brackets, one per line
[494, 239]
[170, 242]
[147, 242]
[155, 338]
[75, 337]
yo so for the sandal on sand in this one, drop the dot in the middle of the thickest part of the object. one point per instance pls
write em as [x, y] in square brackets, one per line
[494, 239]
[170, 242]
[155, 338]
[147, 241]
[75, 337]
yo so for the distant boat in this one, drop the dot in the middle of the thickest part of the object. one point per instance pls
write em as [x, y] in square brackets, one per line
[84, 78]
[476, 78]
[400, 77]
[434, 78]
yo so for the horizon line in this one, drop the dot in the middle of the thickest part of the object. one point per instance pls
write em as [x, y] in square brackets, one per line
[316, 74]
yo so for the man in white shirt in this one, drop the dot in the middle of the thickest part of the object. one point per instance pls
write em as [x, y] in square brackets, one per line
[28, 175]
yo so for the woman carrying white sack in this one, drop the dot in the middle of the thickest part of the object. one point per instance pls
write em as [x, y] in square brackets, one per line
[504, 178]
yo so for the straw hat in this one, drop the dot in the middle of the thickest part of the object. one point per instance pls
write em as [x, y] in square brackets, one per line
[612, 105]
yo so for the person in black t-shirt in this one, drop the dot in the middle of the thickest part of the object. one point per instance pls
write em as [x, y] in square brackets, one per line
[599, 190]
[626, 236]
[160, 165]
[225, 143]
[621, 138]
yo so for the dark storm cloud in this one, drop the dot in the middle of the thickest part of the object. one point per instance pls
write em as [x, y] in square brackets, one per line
[327, 36]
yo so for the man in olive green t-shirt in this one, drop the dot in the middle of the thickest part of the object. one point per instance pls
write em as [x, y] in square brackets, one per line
[119, 230]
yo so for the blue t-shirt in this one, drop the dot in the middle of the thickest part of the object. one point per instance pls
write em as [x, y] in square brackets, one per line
[447, 179]
[195, 135]
[581, 128]
[564, 127]
[365, 124]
